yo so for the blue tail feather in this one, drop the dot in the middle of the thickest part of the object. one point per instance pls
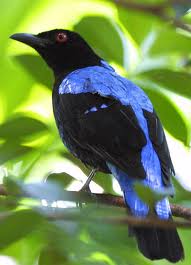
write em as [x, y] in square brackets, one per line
[136, 205]
[154, 243]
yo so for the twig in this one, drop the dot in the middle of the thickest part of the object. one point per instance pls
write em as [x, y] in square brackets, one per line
[156, 10]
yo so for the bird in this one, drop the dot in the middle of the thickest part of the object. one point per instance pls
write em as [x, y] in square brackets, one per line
[110, 124]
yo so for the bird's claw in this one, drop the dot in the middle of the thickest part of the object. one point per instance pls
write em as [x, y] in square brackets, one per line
[86, 189]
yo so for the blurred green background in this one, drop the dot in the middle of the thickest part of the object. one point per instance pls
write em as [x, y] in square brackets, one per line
[141, 46]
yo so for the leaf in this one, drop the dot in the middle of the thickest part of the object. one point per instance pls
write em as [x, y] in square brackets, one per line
[105, 181]
[138, 24]
[50, 191]
[166, 38]
[22, 9]
[102, 34]
[26, 250]
[9, 151]
[170, 115]
[178, 82]
[18, 225]
[108, 234]
[13, 186]
[181, 194]
[51, 256]
[37, 68]
[20, 127]
[151, 196]
[62, 179]
[8, 203]
[14, 89]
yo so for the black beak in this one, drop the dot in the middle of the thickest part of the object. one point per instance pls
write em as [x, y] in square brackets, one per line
[31, 40]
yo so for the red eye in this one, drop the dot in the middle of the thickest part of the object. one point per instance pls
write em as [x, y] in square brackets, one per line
[61, 37]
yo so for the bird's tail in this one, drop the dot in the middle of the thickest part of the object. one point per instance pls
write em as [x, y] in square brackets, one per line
[153, 242]
[157, 243]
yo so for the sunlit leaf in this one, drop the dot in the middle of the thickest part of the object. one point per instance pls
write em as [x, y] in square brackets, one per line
[151, 196]
[18, 225]
[105, 181]
[21, 10]
[165, 41]
[25, 250]
[37, 68]
[15, 86]
[100, 32]
[181, 194]
[178, 82]
[169, 114]
[21, 126]
[138, 24]
[11, 150]
[62, 179]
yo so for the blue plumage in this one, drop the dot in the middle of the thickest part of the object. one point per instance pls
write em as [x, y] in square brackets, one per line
[106, 82]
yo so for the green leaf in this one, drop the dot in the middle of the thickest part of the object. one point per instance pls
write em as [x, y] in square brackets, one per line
[165, 41]
[37, 68]
[181, 193]
[51, 256]
[138, 24]
[102, 34]
[12, 185]
[8, 203]
[62, 179]
[178, 82]
[105, 181]
[14, 89]
[26, 250]
[108, 234]
[150, 196]
[22, 9]
[18, 225]
[169, 114]
[51, 191]
[21, 126]
[10, 150]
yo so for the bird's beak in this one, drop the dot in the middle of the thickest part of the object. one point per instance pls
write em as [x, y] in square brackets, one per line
[31, 40]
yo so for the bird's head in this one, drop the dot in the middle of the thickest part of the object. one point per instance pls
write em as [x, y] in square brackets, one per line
[63, 50]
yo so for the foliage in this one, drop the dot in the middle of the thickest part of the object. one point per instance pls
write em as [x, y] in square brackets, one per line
[141, 46]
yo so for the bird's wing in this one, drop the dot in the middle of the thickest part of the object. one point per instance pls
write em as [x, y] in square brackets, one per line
[119, 131]
[158, 140]
[107, 128]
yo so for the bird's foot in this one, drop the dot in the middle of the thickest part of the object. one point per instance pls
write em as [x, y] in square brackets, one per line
[86, 187]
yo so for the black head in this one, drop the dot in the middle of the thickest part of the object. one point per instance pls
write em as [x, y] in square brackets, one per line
[63, 50]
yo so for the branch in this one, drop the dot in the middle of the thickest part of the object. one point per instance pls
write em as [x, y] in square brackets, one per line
[117, 201]
[127, 220]
[112, 200]
[156, 10]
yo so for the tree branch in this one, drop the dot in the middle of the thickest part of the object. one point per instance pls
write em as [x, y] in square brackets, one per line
[127, 220]
[156, 10]
[117, 201]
